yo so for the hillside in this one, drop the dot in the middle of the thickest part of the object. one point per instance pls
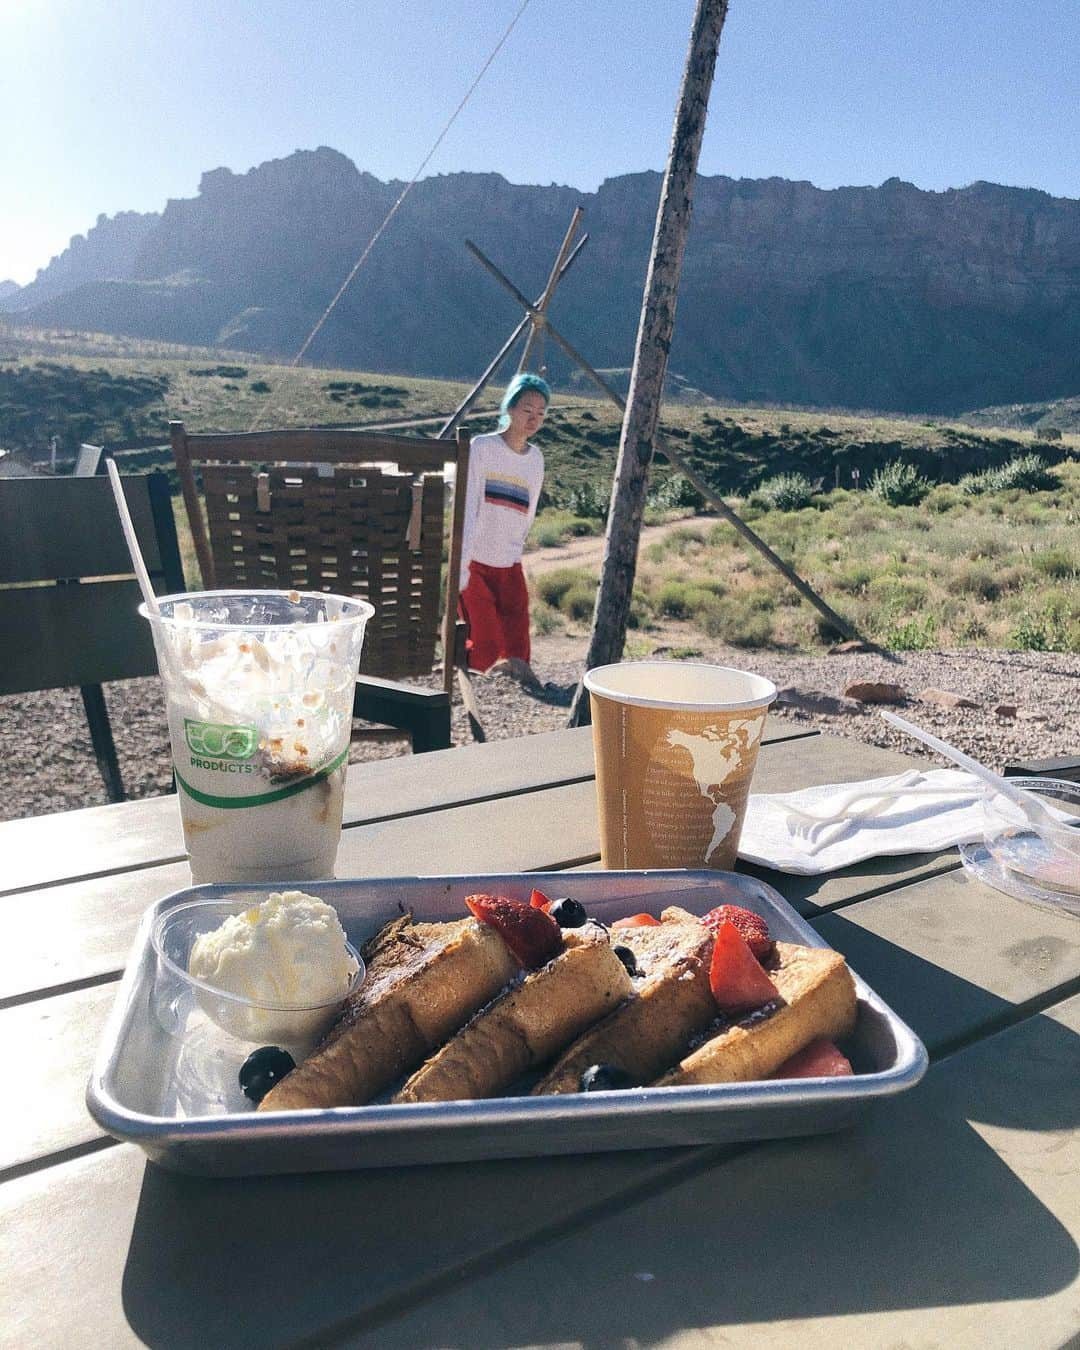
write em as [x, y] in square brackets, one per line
[857, 297]
[72, 386]
[1062, 413]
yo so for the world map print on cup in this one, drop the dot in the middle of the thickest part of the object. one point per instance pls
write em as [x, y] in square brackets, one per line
[259, 694]
[675, 745]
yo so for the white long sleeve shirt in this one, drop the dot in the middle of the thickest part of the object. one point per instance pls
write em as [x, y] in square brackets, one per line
[500, 502]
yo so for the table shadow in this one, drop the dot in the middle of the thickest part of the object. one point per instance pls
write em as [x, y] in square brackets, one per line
[791, 1229]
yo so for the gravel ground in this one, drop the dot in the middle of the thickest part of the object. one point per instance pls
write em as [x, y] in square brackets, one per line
[48, 764]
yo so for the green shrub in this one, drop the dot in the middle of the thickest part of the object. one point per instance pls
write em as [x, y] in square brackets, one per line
[588, 500]
[676, 493]
[259, 387]
[916, 635]
[682, 540]
[987, 546]
[678, 598]
[896, 594]
[785, 492]
[1028, 473]
[944, 497]
[545, 620]
[899, 484]
[640, 616]
[1057, 563]
[977, 579]
[974, 484]
[972, 629]
[579, 601]
[674, 600]
[854, 579]
[553, 528]
[1046, 632]
[551, 587]
[748, 628]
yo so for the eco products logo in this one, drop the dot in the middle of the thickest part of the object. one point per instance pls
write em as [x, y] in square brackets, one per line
[212, 740]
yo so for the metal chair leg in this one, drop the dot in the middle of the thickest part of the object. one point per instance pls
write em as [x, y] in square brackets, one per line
[101, 737]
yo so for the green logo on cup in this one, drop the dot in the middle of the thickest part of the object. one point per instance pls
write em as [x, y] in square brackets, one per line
[216, 741]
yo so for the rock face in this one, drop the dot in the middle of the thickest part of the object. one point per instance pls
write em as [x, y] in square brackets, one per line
[871, 691]
[885, 297]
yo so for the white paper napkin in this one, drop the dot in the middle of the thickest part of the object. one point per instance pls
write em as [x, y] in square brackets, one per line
[821, 829]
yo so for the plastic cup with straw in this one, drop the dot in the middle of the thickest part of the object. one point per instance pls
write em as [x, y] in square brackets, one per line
[259, 695]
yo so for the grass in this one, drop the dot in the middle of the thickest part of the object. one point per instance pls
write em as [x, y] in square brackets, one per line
[999, 570]
[994, 567]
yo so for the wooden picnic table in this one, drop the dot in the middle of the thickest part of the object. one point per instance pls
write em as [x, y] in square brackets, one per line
[949, 1216]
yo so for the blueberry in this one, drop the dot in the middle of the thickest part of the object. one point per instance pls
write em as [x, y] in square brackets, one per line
[568, 913]
[605, 1078]
[626, 956]
[262, 1069]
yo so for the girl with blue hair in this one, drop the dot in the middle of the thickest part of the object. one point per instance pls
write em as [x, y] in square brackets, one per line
[506, 473]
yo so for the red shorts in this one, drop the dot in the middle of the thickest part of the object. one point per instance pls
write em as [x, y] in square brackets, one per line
[495, 605]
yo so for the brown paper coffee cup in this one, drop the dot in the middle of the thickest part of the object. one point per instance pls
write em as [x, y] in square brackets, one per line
[675, 745]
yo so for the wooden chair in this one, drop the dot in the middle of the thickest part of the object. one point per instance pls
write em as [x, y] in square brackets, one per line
[82, 628]
[352, 512]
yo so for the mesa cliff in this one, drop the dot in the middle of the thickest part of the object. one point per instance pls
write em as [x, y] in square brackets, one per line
[883, 297]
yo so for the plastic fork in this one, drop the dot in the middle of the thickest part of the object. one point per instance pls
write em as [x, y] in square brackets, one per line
[810, 825]
[1037, 813]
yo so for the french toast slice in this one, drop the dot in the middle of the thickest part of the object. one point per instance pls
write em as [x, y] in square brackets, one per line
[424, 981]
[815, 997]
[671, 1003]
[527, 1024]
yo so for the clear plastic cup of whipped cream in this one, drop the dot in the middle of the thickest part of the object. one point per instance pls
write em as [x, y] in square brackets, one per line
[259, 695]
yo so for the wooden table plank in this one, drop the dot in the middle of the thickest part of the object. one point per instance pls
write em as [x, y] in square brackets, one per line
[946, 1220]
[530, 831]
[47, 850]
[338, 1241]
[49, 1049]
[67, 933]
[954, 957]
[983, 1158]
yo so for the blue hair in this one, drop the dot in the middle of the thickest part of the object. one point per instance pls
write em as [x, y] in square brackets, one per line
[521, 384]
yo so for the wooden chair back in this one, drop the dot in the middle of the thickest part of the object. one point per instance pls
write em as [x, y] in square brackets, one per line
[83, 627]
[351, 512]
[68, 597]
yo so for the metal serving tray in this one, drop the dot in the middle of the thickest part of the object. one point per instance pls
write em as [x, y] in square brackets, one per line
[147, 1086]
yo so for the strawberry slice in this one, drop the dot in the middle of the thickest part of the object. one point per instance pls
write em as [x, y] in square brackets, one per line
[752, 926]
[819, 1059]
[538, 900]
[637, 921]
[533, 936]
[736, 978]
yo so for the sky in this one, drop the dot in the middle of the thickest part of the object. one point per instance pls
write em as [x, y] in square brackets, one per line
[115, 106]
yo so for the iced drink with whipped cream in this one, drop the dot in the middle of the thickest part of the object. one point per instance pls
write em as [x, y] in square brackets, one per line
[259, 693]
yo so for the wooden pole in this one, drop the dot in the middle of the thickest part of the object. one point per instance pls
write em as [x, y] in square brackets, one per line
[659, 443]
[534, 347]
[612, 612]
[709, 493]
[450, 425]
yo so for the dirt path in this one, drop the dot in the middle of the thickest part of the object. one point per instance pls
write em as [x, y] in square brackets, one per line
[588, 551]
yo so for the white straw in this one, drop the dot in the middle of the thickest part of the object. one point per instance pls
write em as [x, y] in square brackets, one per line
[132, 543]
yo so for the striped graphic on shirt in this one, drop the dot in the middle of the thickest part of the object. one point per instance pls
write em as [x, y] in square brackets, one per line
[505, 491]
